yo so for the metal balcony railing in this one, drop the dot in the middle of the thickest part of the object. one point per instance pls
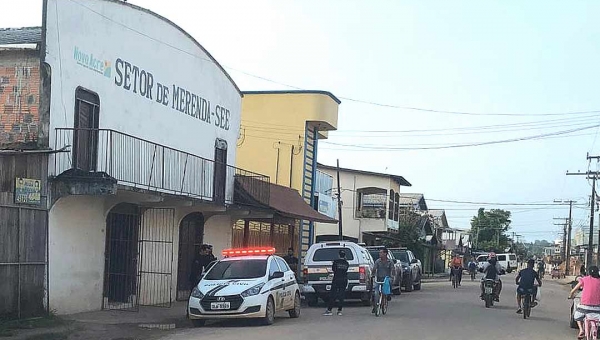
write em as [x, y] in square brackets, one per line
[140, 163]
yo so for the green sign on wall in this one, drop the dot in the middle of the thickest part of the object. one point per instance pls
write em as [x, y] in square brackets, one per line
[28, 191]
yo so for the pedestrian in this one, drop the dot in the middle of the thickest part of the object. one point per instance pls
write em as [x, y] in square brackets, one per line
[291, 260]
[338, 284]
[198, 264]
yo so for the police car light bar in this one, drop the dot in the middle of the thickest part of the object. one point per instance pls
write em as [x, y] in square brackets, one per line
[248, 251]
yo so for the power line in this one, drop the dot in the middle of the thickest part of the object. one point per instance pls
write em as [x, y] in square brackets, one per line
[373, 103]
[451, 146]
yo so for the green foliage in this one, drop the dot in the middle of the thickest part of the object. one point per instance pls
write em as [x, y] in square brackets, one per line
[489, 229]
[411, 234]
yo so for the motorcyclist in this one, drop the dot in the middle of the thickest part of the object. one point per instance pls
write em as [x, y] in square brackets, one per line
[492, 270]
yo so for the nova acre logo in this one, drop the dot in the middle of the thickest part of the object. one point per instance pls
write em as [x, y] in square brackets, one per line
[90, 62]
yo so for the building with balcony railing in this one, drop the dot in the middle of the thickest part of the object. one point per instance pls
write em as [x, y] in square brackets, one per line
[370, 201]
[121, 159]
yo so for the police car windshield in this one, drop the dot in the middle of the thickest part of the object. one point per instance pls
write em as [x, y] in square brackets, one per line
[237, 269]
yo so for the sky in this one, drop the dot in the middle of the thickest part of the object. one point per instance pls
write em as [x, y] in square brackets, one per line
[518, 69]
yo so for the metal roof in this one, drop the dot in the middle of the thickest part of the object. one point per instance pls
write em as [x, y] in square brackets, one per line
[23, 35]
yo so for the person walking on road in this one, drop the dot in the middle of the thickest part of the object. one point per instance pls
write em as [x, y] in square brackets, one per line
[291, 260]
[338, 284]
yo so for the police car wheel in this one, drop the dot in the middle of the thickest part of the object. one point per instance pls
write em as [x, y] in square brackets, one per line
[269, 317]
[198, 322]
[295, 313]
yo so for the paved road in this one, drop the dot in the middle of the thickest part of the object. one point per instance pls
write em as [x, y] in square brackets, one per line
[436, 312]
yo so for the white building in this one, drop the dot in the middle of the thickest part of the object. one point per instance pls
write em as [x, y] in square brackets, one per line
[370, 203]
[143, 124]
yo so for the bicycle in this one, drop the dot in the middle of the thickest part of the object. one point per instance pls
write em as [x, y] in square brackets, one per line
[455, 273]
[528, 300]
[381, 306]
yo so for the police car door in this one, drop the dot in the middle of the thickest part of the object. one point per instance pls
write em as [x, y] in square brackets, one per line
[276, 285]
[290, 279]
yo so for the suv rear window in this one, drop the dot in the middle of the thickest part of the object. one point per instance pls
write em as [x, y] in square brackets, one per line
[401, 255]
[330, 254]
[501, 257]
[512, 257]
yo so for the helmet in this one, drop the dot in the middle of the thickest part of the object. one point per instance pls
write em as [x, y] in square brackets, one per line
[492, 255]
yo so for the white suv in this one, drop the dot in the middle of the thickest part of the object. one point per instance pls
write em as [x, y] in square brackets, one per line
[247, 283]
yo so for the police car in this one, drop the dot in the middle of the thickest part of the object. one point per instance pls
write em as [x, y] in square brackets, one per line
[247, 283]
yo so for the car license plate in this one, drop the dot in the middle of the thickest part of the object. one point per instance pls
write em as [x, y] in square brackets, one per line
[328, 287]
[220, 305]
[488, 290]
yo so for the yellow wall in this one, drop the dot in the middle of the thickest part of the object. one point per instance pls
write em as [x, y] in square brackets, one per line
[277, 120]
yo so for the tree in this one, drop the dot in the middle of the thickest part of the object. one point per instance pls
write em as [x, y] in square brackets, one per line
[489, 229]
[411, 233]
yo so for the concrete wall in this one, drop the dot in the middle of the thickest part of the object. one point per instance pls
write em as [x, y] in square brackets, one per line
[19, 98]
[77, 236]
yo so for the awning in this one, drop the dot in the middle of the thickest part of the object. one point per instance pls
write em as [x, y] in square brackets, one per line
[287, 202]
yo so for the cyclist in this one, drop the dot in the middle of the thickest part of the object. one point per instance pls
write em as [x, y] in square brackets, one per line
[525, 281]
[456, 266]
[383, 268]
[492, 270]
[541, 268]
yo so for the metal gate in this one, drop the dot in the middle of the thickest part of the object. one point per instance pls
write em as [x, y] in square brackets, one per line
[139, 257]
[121, 258]
[23, 262]
[156, 257]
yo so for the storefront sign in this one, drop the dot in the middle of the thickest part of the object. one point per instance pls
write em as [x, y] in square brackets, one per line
[28, 191]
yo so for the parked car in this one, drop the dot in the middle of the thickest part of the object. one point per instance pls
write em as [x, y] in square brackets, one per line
[397, 279]
[247, 283]
[318, 274]
[412, 270]
[508, 261]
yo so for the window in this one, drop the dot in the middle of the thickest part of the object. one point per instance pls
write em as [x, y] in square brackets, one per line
[85, 133]
[220, 171]
[273, 267]
[501, 257]
[397, 207]
[391, 205]
[512, 257]
[283, 265]
[330, 254]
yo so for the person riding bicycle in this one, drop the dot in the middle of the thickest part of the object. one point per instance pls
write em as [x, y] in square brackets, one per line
[456, 266]
[383, 268]
[590, 297]
[541, 268]
[492, 270]
[526, 281]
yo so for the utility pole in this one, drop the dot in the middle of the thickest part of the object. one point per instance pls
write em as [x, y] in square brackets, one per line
[593, 175]
[563, 250]
[339, 195]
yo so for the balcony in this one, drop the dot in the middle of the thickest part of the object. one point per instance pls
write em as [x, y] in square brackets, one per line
[138, 163]
[371, 212]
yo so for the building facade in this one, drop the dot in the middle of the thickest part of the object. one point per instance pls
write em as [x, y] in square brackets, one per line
[370, 203]
[279, 137]
[138, 142]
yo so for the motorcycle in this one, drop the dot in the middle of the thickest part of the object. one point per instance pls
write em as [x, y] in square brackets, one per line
[489, 287]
